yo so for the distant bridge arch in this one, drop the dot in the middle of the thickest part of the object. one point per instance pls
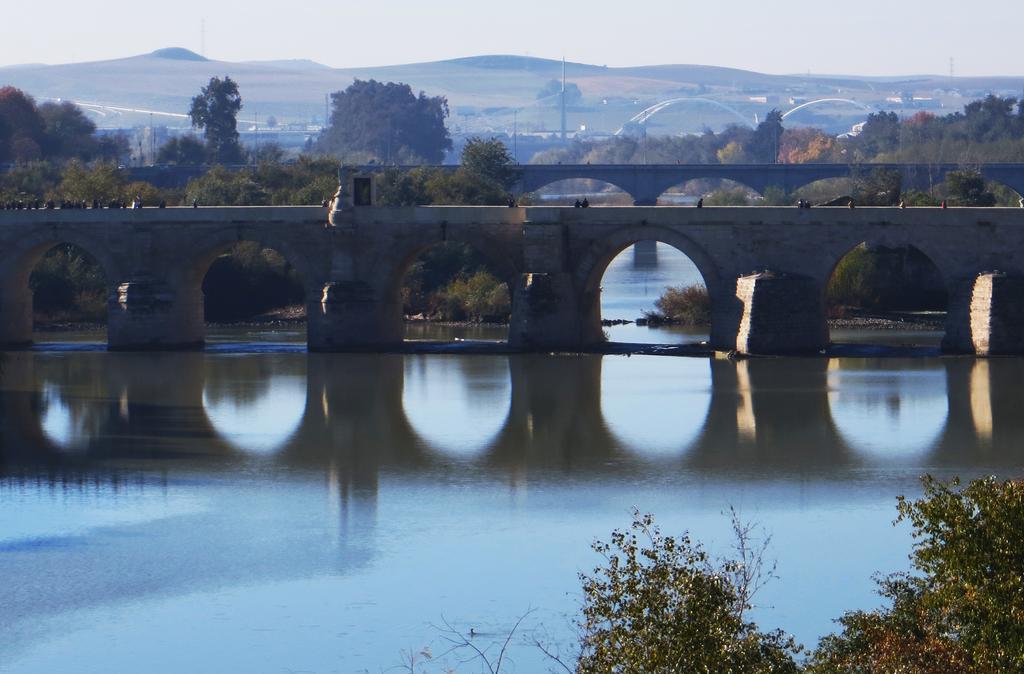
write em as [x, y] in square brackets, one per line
[643, 116]
[823, 101]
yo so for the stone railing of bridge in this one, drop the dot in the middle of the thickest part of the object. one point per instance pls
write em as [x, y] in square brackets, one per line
[766, 269]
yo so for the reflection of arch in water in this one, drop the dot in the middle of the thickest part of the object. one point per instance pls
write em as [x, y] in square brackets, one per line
[767, 416]
[458, 406]
[354, 423]
[554, 419]
[655, 407]
[255, 402]
[984, 426]
[888, 415]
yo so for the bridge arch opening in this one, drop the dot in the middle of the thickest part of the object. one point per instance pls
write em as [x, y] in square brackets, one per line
[68, 286]
[890, 293]
[890, 416]
[250, 281]
[714, 192]
[567, 192]
[48, 283]
[452, 291]
[648, 285]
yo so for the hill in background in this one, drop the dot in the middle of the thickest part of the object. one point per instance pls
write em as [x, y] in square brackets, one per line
[483, 91]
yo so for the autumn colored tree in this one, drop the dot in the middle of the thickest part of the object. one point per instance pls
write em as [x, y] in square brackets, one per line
[962, 607]
[807, 146]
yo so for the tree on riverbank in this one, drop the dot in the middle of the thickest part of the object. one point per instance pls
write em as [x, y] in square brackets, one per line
[961, 609]
[661, 604]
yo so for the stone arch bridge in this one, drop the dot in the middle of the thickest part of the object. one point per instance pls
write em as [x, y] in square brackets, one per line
[766, 269]
[646, 182]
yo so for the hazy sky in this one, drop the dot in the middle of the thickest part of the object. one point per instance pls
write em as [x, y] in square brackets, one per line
[870, 37]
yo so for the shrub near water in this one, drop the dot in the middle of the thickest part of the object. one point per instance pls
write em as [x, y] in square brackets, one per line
[685, 305]
[479, 298]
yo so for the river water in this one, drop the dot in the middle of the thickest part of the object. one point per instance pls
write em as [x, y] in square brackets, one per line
[257, 508]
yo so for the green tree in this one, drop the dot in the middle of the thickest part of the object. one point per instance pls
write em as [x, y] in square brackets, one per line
[182, 151]
[22, 129]
[67, 132]
[877, 187]
[222, 187]
[881, 133]
[660, 605]
[962, 608]
[489, 159]
[215, 111]
[967, 188]
[387, 122]
[765, 143]
[102, 182]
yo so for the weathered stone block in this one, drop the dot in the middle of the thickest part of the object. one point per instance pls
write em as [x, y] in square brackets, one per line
[148, 314]
[350, 316]
[996, 317]
[782, 314]
[545, 313]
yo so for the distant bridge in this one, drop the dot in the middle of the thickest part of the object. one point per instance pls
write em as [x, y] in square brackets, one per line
[642, 117]
[646, 182]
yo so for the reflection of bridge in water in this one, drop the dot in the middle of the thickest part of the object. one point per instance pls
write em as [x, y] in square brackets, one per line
[763, 418]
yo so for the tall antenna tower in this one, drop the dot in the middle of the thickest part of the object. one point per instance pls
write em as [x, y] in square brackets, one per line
[202, 37]
[952, 70]
[563, 99]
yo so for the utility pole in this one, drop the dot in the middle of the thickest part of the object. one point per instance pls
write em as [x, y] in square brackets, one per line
[256, 130]
[563, 99]
[515, 135]
[202, 37]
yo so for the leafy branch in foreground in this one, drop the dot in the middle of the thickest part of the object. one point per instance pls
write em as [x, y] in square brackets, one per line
[661, 604]
[962, 608]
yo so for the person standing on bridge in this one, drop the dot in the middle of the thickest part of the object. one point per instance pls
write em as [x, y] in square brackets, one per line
[586, 203]
[700, 202]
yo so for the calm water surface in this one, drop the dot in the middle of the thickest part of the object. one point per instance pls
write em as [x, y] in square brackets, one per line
[257, 508]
